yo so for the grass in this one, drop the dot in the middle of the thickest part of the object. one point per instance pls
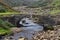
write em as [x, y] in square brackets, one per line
[56, 2]
[4, 31]
[8, 14]
[5, 27]
[56, 5]
[54, 12]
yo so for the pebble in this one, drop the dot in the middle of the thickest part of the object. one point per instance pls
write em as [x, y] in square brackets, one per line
[21, 39]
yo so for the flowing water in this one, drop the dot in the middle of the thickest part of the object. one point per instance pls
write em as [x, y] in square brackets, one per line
[29, 29]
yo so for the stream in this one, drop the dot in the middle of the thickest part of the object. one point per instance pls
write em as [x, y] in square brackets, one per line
[29, 29]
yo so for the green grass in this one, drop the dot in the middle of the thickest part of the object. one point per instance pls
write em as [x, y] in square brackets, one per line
[5, 27]
[4, 31]
[54, 12]
[8, 14]
[56, 3]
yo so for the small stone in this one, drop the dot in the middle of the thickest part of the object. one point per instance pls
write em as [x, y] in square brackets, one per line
[42, 37]
[21, 39]
[35, 37]
[6, 39]
[45, 39]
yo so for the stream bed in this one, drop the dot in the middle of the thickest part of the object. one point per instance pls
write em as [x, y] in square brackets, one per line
[29, 29]
[28, 32]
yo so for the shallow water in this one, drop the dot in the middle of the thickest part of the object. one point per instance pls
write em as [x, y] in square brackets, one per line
[28, 31]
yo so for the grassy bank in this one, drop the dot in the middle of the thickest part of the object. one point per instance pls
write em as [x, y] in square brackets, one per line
[54, 12]
[4, 31]
[8, 13]
[5, 27]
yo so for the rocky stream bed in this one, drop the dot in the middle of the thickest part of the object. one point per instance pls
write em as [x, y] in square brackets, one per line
[40, 35]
